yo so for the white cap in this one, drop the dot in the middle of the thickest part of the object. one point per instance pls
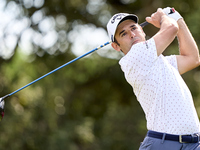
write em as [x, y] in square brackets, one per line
[116, 20]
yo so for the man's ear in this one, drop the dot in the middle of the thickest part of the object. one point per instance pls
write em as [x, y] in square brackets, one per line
[115, 46]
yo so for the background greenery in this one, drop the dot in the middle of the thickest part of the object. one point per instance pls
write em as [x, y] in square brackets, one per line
[87, 105]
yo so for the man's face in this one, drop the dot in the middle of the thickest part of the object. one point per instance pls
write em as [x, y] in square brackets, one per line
[127, 34]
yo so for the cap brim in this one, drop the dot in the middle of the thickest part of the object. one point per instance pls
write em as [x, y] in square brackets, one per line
[130, 17]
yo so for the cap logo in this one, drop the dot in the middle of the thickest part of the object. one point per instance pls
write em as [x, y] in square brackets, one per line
[118, 17]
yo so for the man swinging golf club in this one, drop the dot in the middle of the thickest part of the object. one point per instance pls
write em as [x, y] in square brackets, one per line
[172, 121]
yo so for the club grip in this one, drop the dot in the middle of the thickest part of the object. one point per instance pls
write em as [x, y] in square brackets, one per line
[144, 24]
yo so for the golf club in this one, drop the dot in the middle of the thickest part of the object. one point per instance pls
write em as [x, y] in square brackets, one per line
[2, 102]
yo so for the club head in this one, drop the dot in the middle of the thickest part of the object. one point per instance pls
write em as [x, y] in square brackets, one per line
[2, 103]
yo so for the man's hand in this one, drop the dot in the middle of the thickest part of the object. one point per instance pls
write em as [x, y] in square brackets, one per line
[156, 18]
[172, 13]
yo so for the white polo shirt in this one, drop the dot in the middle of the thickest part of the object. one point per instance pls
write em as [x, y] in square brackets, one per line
[160, 90]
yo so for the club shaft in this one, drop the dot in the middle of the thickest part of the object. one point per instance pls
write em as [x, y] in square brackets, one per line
[101, 46]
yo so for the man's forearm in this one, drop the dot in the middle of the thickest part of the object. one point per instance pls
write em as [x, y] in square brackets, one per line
[187, 44]
[189, 53]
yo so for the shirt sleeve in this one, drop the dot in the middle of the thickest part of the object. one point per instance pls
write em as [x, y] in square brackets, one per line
[139, 60]
[172, 60]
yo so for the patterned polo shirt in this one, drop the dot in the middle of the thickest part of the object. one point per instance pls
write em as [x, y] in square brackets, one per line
[161, 91]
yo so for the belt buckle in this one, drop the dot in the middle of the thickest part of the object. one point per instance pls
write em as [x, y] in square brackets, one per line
[180, 139]
[197, 135]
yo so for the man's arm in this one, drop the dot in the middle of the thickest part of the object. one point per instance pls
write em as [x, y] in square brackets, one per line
[168, 30]
[188, 57]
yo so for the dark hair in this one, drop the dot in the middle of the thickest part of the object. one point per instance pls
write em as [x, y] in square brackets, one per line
[116, 41]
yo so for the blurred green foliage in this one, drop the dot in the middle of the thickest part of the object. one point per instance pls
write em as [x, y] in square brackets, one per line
[87, 105]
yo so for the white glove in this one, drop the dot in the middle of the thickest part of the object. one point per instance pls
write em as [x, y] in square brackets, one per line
[172, 13]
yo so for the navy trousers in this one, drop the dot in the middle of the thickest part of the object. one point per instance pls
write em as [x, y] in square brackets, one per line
[150, 143]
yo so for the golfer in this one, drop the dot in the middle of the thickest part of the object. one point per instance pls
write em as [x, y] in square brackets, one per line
[172, 120]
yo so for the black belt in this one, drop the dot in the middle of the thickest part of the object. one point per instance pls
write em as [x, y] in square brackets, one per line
[193, 138]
